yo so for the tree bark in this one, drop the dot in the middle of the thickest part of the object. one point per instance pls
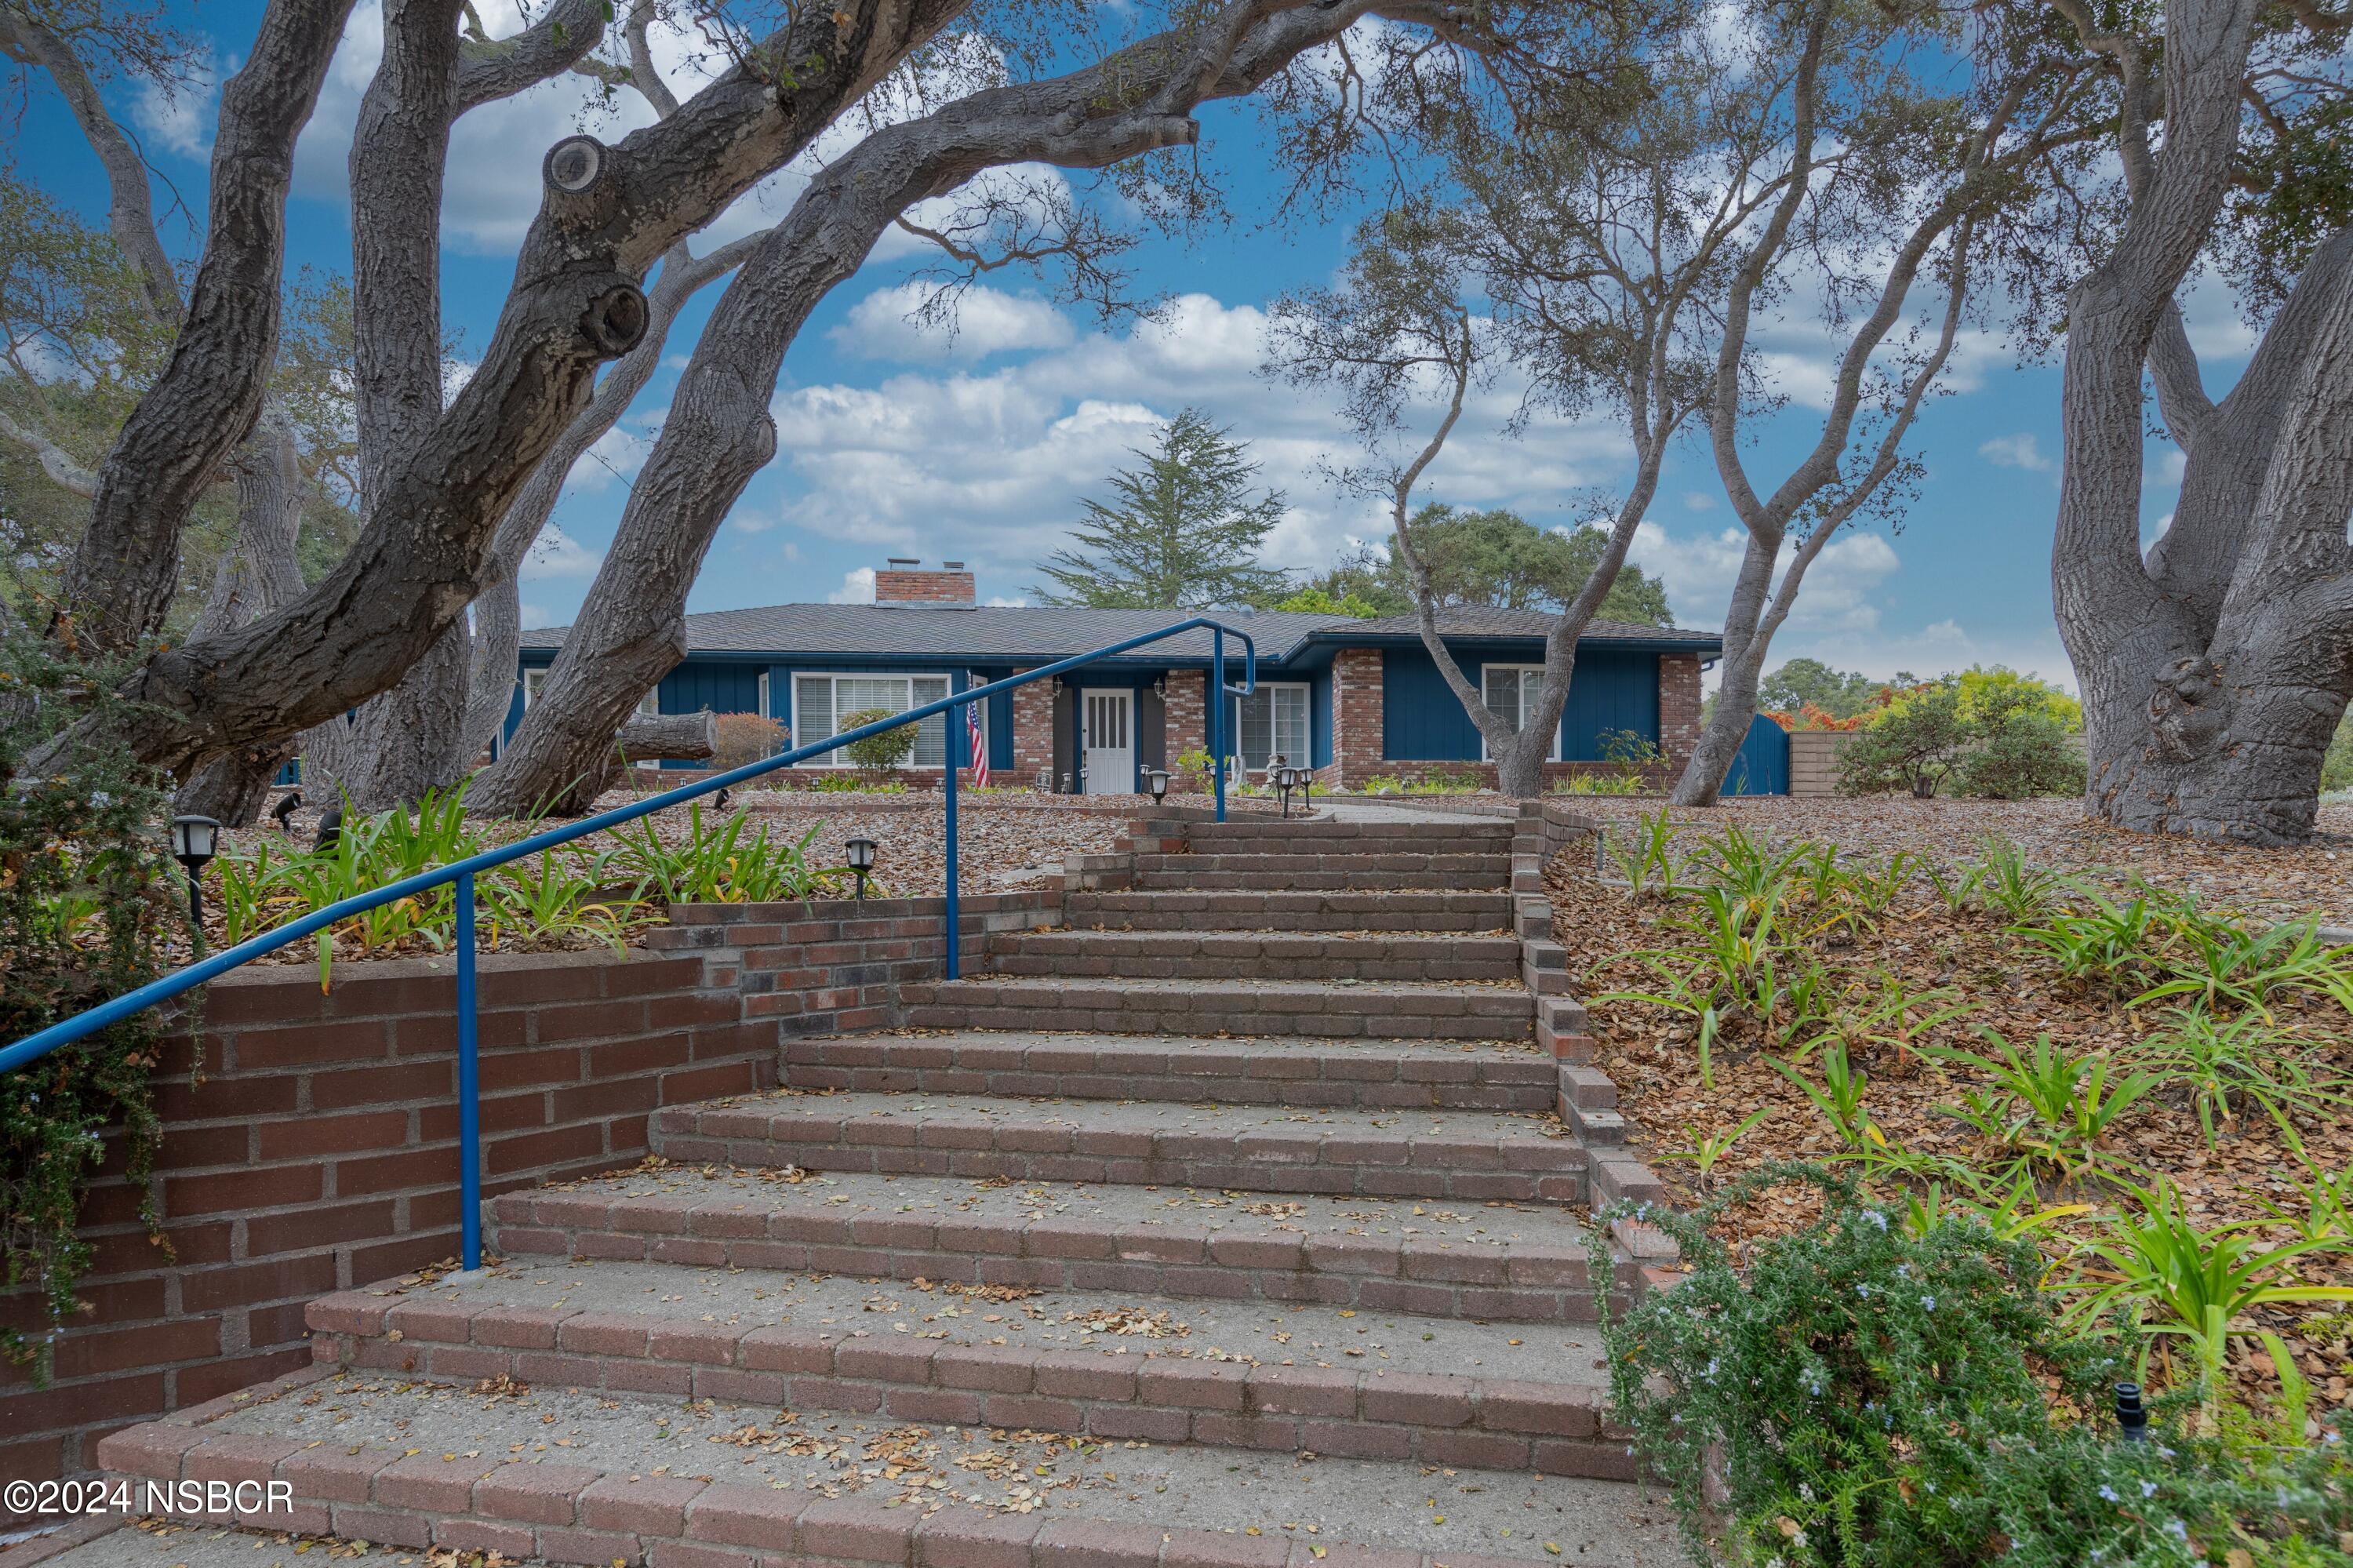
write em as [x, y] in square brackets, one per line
[718, 432]
[609, 213]
[263, 572]
[121, 579]
[2214, 669]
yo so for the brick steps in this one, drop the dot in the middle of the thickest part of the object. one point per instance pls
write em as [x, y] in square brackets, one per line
[1499, 1260]
[1468, 1156]
[556, 1476]
[1398, 1075]
[1365, 1388]
[1427, 910]
[1330, 836]
[1116, 1006]
[1181, 875]
[1234, 955]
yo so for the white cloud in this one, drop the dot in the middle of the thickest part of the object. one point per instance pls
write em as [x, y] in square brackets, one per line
[617, 454]
[2019, 450]
[1839, 593]
[490, 189]
[557, 555]
[979, 323]
[180, 118]
[1698, 501]
[990, 465]
[857, 587]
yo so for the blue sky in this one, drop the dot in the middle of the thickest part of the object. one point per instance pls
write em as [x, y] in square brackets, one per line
[898, 441]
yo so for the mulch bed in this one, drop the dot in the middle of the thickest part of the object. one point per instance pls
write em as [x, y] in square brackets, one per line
[1650, 1052]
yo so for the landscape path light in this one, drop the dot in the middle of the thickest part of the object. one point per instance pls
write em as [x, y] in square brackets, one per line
[1157, 780]
[861, 861]
[195, 840]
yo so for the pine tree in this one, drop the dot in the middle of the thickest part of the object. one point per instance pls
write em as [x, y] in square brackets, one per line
[1181, 532]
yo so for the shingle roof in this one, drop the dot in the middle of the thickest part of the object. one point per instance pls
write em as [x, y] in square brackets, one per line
[1045, 631]
[1483, 621]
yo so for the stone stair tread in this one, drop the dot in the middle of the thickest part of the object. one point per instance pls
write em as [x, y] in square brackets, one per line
[853, 1195]
[1193, 936]
[554, 1472]
[702, 1302]
[1180, 1045]
[1231, 984]
[1504, 1130]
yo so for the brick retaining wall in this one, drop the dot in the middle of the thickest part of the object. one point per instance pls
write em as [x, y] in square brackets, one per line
[317, 1147]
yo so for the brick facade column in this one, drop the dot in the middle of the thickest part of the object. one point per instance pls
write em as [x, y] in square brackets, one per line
[1678, 704]
[1357, 739]
[1033, 731]
[1184, 721]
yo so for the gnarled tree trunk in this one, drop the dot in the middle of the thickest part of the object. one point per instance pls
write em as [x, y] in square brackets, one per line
[2213, 669]
[630, 632]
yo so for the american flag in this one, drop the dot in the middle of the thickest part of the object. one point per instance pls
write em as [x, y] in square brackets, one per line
[979, 752]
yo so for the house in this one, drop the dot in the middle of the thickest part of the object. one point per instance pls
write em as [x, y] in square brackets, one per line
[1354, 699]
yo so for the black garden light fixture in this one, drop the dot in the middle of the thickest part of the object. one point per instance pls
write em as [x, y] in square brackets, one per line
[195, 840]
[1157, 780]
[1287, 780]
[2132, 1418]
[861, 861]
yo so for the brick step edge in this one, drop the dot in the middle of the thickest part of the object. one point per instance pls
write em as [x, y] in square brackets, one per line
[576, 1514]
[1430, 1280]
[1144, 920]
[1180, 877]
[1497, 861]
[1344, 1077]
[1077, 960]
[961, 1015]
[1486, 1424]
[1353, 1163]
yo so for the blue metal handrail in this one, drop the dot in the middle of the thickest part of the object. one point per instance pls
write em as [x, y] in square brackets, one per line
[461, 873]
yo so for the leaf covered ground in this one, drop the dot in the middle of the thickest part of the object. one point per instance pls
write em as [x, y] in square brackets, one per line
[2255, 1168]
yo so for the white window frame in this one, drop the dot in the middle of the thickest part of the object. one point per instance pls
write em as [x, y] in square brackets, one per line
[649, 706]
[1520, 718]
[839, 759]
[1273, 741]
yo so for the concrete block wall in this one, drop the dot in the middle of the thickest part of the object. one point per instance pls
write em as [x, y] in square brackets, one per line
[1814, 758]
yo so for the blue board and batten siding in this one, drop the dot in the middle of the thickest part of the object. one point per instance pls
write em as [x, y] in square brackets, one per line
[1614, 689]
[1422, 722]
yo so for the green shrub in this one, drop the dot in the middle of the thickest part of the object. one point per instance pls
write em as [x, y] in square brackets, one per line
[1993, 734]
[881, 753]
[2336, 768]
[87, 900]
[1914, 743]
[1851, 1376]
[1872, 1389]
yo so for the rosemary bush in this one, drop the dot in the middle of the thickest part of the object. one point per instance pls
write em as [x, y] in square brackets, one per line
[1880, 1388]
[87, 894]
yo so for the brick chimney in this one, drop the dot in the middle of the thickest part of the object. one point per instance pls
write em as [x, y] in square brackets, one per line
[903, 583]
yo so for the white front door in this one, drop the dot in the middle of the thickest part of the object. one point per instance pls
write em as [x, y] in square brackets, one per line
[1110, 741]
